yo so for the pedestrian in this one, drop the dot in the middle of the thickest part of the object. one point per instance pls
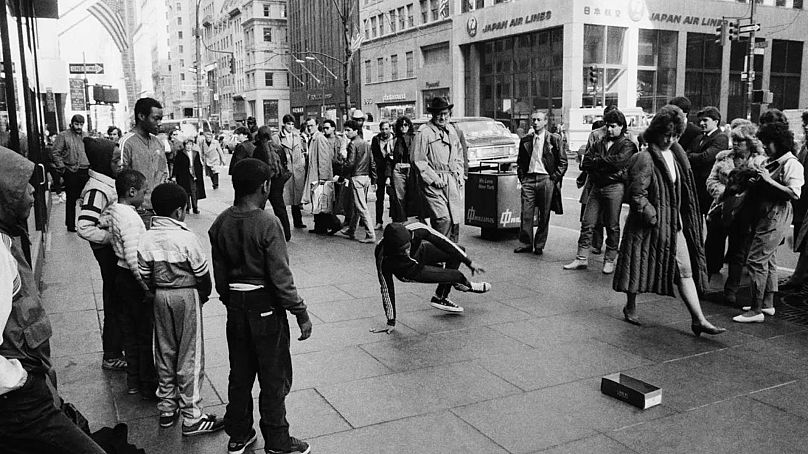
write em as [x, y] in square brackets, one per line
[244, 147]
[98, 194]
[359, 117]
[29, 420]
[252, 126]
[289, 142]
[213, 158]
[541, 165]
[703, 151]
[323, 148]
[798, 282]
[176, 146]
[399, 176]
[275, 158]
[438, 157]
[358, 174]
[415, 252]
[123, 221]
[779, 183]
[70, 160]
[381, 147]
[605, 164]
[257, 287]
[662, 239]
[114, 134]
[309, 131]
[692, 131]
[728, 226]
[188, 173]
[583, 183]
[141, 150]
[172, 263]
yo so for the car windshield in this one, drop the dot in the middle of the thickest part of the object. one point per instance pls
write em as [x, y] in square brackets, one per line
[482, 128]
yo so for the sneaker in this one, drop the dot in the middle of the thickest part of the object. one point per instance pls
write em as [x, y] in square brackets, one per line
[608, 267]
[116, 364]
[207, 424]
[476, 287]
[168, 418]
[132, 390]
[345, 233]
[238, 447]
[298, 447]
[577, 264]
[765, 310]
[445, 304]
[378, 226]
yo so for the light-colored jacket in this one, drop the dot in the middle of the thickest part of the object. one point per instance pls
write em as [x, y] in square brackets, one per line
[212, 154]
[725, 163]
[292, 146]
[68, 151]
[126, 227]
[98, 194]
[438, 155]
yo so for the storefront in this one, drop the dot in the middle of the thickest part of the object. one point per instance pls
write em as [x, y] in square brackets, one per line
[520, 56]
[395, 105]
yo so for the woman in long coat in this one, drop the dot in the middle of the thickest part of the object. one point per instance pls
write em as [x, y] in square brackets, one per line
[274, 157]
[289, 140]
[188, 172]
[662, 240]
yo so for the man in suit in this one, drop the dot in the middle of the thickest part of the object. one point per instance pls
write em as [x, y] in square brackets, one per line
[703, 151]
[541, 165]
[691, 131]
[244, 149]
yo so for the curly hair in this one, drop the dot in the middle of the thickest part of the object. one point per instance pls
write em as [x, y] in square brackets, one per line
[773, 116]
[616, 117]
[403, 120]
[778, 134]
[669, 119]
[746, 131]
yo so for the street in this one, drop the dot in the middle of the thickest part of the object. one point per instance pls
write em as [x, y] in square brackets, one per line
[518, 372]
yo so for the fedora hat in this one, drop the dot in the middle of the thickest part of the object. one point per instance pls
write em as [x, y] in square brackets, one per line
[438, 103]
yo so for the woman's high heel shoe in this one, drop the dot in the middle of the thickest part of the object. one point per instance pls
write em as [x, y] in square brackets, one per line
[713, 330]
[630, 318]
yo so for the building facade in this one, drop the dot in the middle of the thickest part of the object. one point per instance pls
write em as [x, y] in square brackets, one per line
[318, 57]
[519, 55]
[406, 56]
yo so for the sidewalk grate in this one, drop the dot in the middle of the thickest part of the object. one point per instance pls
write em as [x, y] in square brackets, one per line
[794, 308]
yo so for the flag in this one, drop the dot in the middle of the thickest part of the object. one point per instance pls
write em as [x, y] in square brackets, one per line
[443, 10]
[108, 13]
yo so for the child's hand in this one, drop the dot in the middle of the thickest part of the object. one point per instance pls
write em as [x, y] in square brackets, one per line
[305, 330]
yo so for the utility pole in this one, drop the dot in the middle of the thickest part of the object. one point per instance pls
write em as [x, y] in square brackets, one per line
[750, 64]
[198, 71]
[87, 109]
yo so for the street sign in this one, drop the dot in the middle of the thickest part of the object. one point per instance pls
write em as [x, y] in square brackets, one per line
[761, 45]
[89, 68]
[749, 28]
[77, 99]
[50, 100]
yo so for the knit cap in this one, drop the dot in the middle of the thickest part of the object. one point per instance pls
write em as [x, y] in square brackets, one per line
[395, 237]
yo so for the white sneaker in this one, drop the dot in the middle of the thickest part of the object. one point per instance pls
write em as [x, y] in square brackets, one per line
[608, 267]
[476, 287]
[766, 310]
[379, 226]
[577, 264]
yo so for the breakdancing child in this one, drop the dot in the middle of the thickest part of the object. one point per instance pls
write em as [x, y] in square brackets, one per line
[415, 252]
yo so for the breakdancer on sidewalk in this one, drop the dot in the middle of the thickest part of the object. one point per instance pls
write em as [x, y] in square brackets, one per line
[415, 252]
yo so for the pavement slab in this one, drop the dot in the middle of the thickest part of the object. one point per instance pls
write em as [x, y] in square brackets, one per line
[597, 444]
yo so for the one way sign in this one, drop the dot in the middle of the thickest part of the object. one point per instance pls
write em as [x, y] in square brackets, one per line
[89, 68]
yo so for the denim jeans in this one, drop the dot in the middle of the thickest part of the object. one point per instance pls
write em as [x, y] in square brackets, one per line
[605, 203]
[767, 232]
[398, 192]
[111, 337]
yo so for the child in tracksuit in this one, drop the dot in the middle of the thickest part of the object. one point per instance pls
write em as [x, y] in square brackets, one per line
[255, 283]
[171, 261]
[126, 227]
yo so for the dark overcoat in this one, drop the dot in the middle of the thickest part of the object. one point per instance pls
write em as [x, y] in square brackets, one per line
[182, 173]
[647, 260]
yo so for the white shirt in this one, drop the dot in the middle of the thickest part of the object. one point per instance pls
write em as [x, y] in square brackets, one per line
[793, 175]
[536, 165]
[11, 371]
[670, 163]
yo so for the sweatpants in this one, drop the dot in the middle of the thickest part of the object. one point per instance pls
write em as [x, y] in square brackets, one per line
[136, 326]
[258, 343]
[179, 353]
[445, 276]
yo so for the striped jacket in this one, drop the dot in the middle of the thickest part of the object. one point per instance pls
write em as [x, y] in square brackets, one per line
[171, 256]
[126, 228]
[97, 195]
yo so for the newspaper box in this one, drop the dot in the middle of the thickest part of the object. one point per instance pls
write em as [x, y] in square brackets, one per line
[493, 200]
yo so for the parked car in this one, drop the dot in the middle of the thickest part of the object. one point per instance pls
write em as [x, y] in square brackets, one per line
[581, 119]
[484, 140]
[188, 126]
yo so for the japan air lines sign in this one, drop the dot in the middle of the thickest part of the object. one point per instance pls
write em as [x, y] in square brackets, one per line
[532, 18]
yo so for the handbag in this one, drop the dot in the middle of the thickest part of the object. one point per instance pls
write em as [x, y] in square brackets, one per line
[322, 198]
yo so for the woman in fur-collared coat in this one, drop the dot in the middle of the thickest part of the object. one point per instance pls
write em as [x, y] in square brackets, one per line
[662, 239]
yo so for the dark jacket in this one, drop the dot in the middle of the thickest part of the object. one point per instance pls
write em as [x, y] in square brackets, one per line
[702, 155]
[692, 132]
[359, 161]
[607, 166]
[647, 260]
[554, 159]
[401, 149]
[384, 164]
[243, 150]
[182, 173]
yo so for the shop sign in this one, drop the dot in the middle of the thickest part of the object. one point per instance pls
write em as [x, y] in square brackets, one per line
[432, 84]
[319, 96]
[77, 99]
[637, 11]
[368, 101]
[297, 110]
[517, 21]
[50, 100]
[471, 26]
[394, 97]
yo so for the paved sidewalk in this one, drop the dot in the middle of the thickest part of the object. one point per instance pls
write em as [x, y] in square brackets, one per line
[518, 372]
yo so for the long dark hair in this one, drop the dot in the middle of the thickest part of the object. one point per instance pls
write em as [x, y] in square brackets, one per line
[265, 151]
[403, 120]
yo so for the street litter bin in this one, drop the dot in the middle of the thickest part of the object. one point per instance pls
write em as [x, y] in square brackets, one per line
[493, 199]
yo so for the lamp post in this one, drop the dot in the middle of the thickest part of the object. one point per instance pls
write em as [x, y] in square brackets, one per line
[198, 70]
[344, 63]
[322, 85]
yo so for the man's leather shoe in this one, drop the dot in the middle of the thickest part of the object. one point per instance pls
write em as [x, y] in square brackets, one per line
[538, 251]
[523, 250]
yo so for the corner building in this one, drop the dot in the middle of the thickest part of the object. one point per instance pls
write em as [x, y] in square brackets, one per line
[520, 55]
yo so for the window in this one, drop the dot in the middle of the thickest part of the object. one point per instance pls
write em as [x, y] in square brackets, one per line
[266, 10]
[785, 73]
[656, 71]
[381, 24]
[393, 20]
[368, 74]
[182, 63]
[179, 34]
[181, 49]
[394, 67]
[380, 68]
[424, 12]
[373, 27]
[402, 19]
[703, 70]
[410, 19]
[367, 29]
[410, 61]
[179, 6]
[434, 6]
[436, 55]
[780, 3]
[269, 79]
[605, 50]
[283, 10]
[179, 20]
[182, 76]
[797, 4]
[267, 34]
[471, 5]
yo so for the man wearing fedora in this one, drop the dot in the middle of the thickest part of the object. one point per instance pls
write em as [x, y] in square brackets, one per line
[438, 156]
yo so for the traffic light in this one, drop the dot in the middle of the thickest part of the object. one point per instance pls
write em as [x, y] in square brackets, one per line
[762, 97]
[593, 76]
[733, 31]
[721, 34]
[232, 65]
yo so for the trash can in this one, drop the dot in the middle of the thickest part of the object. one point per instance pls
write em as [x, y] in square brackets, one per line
[493, 200]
